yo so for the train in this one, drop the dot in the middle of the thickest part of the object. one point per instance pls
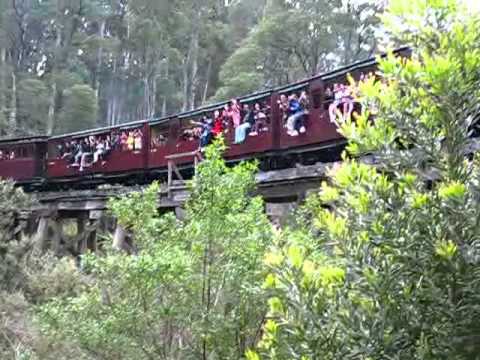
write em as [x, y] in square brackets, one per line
[37, 163]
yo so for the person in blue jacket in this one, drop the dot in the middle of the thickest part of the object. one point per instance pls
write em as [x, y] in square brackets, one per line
[296, 112]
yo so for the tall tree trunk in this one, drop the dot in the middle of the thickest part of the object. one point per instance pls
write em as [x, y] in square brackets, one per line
[3, 82]
[190, 69]
[207, 81]
[153, 101]
[12, 119]
[51, 109]
[167, 73]
[145, 109]
[53, 95]
[194, 74]
[186, 82]
[101, 34]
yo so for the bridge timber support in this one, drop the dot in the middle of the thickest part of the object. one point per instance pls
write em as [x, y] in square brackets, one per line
[76, 221]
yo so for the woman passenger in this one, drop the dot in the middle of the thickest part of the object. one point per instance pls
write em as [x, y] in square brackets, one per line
[235, 113]
[130, 141]
[241, 131]
[138, 139]
[260, 120]
[217, 124]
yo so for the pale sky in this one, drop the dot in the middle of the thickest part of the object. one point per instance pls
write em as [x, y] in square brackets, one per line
[473, 4]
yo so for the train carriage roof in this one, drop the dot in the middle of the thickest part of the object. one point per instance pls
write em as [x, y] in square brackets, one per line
[99, 131]
[23, 140]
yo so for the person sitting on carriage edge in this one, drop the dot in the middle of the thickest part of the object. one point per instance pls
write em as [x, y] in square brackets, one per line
[296, 112]
[206, 127]
[260, 121]
[243, 129]
[300, 125]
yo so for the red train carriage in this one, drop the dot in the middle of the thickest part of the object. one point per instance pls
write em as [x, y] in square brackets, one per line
[108, 150]
[22, 159]
[140, 146]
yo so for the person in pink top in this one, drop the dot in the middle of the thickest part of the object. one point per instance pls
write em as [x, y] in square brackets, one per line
[235, 113]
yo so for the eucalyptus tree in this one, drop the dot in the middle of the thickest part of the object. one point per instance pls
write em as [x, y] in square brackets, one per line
[296, 39]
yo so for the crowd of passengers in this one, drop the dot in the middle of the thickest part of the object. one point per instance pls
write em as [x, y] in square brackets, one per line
[84, 153]
[248, 120]
[7, 155]
[251, 120]
[245, 120]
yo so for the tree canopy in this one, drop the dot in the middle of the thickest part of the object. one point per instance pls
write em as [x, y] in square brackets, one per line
[141, 59]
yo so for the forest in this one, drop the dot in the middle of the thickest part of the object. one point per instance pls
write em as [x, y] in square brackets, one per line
[382, 262]
[68, 65]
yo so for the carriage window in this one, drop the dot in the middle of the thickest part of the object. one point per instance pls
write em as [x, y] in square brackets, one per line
[159, 135]
[190, 129]
[14, 152]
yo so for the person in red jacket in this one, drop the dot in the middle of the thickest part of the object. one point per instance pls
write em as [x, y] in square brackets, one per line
[217, 124]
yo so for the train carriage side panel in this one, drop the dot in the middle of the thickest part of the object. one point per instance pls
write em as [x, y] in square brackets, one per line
[22, 159]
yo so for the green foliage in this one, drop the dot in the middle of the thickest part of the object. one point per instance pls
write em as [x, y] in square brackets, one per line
[32, 104]
[192, 287]
[13, 248]
[79, 110]
[388, 266]
[332, 33]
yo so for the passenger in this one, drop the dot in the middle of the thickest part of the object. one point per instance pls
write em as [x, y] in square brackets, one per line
[130, 141]
[88, 150]
[138, 139]
[329, 94]
[159, 140]
[342, 95]
[80, 147]
[217, 124]
[61, 149]
[260, 121]
[235, 113]
[283, 106]
[226, 114]
[296, 112]
[12, 155]
[124, 141]
[99, 151]
[69, 151]
[1, 155]
[206, 135]
[242, 130]
[347, 100]
[116, 142]
[305, 104]
[337, 96]
[108, 144]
